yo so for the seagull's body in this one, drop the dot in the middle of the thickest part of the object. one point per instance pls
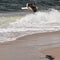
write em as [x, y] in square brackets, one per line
[30, 6]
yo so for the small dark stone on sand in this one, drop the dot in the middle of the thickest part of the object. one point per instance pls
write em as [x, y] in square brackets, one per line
[50, 57]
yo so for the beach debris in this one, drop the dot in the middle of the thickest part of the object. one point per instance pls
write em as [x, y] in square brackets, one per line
[50, 57]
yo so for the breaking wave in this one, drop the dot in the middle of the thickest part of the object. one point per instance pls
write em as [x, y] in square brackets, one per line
[32, 23]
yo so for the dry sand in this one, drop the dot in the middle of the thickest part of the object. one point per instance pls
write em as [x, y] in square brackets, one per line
[31, 47]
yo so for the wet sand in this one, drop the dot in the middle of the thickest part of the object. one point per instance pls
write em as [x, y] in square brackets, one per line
[54, 52]
[31, 47]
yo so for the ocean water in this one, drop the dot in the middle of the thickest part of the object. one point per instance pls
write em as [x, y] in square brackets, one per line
[12, 27]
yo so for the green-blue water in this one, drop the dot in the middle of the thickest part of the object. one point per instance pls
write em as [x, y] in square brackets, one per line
[15, 5]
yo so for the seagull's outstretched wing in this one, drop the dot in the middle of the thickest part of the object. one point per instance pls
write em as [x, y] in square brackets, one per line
[24, 7]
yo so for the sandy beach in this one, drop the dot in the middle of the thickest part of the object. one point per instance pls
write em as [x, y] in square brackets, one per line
[32, 47]
[29, 35]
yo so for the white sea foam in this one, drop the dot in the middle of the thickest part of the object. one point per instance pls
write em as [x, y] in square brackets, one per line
[38, 19]
[37, 22]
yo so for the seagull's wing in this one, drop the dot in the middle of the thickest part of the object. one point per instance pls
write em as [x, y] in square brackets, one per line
[24, 8]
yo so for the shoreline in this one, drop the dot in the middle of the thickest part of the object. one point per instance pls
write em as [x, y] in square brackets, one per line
[38, 35]
[31, 47]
